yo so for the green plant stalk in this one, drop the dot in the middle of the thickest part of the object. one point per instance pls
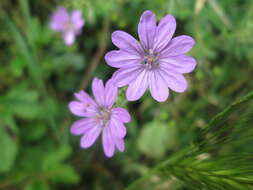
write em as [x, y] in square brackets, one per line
[33, 69]
[156, 169]
[171, 161]
[230, 108]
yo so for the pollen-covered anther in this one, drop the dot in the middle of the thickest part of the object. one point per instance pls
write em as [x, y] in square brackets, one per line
[105, 115]
[151, 59]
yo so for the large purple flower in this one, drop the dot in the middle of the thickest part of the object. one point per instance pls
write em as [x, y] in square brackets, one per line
[69, 25]
[100, 117]
[156, 62]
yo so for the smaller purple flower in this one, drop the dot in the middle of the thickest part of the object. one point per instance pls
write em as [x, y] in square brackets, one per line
[100, 117]
[156, 62]
[69, 24]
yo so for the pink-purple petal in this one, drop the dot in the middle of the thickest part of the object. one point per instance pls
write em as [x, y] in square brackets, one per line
[126, 42]
[77, 108]
[59, 18]
[147, 29]
[117, 128]
[164, 32]
[77, 20]
[69, 37]
[98, 91]
[103, 118]
[82, 126]
[82, 109]
[137, 88]
[120, 144]
[175, 81]
[108, 142]
[90, 136]
[158, 87]
[121, 59]
[180, 63]
[178, 46]
[84, 97]
[124, 76]
[121, 114]
[111, 92]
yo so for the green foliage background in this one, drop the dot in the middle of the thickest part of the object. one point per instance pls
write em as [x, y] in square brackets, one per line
[201, 139]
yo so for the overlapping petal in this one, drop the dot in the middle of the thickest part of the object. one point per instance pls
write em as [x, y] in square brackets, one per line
[180, 63]
[111, 92]
[90, 136]
[77, 108]
[178, 46]
[98, 91]
[125, 76]
[117, 128]
[126, 42]
[82, 126]
[175, 81]
[82, 109]
[119, 144]
[77, 20]
[121, 114]
[137, 88]
[59, 18]
[158, 87]
[164, 32]
[84, 97]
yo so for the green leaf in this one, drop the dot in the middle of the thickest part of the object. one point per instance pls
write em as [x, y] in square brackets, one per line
[155, 138]
[37, 185]
[21, 44]
[63, 173]
[56, 156]
[22, 102]
[8, 149]
[17, 66]
[35, 133]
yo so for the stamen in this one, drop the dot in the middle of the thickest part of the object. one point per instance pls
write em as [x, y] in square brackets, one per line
[151, 60]
[105, 115]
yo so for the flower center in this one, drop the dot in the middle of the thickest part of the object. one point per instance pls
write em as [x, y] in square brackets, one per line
[104, 115]
[69, 26]
[151, 60]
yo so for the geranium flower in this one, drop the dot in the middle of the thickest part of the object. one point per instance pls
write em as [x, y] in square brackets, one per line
[69, 24]
[156, 62]
[100, 117]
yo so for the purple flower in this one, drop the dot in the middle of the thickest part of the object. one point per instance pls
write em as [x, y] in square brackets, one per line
[69, 25]
[156, 62]
[100, 117]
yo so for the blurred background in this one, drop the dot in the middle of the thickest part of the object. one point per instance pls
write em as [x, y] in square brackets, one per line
[39, 74]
